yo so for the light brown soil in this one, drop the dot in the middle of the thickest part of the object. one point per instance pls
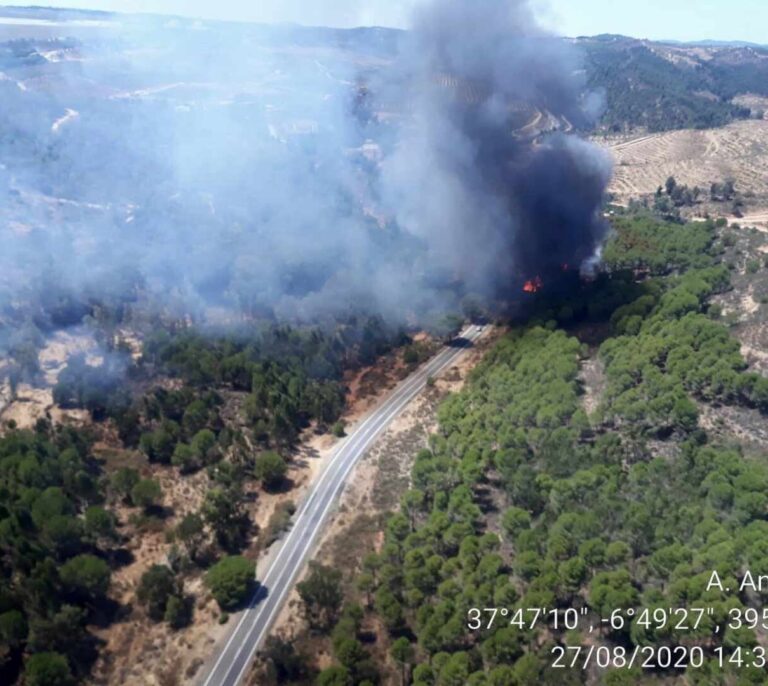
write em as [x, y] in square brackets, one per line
[756, 103]
[374, 489]
[757, 219]
[726, 423]
[592, 378]
[366, 386]
[745, 310]
[31, 403]
[695, 158]
[65, 344]
[139, 651]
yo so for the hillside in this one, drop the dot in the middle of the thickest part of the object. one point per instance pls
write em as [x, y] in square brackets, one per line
[653, 86]
[694, 158]
[660, 86]
[234, 261]
[602, 476]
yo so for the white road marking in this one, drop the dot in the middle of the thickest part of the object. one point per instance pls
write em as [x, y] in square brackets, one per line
[308, 523]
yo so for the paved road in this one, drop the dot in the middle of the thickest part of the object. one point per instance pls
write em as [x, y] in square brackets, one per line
[232, 659]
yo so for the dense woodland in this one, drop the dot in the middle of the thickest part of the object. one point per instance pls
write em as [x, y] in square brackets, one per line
[292, 377]
[643, 88]
[230, 405]
[523, 500]
[55, 543]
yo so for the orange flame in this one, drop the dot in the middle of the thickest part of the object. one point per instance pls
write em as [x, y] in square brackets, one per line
[534, 285]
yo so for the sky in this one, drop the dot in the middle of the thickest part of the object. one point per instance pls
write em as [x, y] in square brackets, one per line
[657, 19]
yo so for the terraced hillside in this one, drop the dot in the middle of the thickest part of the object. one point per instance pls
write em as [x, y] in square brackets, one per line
[738, 151]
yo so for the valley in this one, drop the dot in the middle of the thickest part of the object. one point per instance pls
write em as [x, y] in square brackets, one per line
[313, 341]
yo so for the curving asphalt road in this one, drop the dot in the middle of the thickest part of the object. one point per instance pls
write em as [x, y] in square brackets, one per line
[230, 664]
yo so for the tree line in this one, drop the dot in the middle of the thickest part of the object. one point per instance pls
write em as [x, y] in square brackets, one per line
[523, 500]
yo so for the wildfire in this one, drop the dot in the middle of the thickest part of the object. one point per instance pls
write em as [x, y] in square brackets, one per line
[534, 285]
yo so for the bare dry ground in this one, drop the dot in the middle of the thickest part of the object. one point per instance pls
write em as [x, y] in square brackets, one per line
[134, 649]
[30, 403]
[373, 491]
[757, 104]
[592, 379]
[138, 651]
[745, 310]
[695, 158]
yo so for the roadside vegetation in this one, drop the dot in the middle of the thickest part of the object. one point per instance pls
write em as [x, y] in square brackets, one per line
[525, 500]
[226, 410]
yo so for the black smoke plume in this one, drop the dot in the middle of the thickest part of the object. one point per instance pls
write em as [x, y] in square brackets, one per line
[486, 172]
[220, 170]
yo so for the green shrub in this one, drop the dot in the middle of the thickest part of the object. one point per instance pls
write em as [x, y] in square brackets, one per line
[146, 493]
[48, 669]
[86, 575]
[231, 581]
[279, 522]
[157, 586]
[270, 469]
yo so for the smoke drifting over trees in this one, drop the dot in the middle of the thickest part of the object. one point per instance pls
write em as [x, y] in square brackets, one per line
[226, 166]
[492, 204]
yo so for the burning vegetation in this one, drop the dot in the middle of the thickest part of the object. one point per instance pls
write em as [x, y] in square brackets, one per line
[198, 210]
[533, 285]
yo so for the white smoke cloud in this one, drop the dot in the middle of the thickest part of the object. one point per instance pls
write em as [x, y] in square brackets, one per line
[222, 167]
[337, 13]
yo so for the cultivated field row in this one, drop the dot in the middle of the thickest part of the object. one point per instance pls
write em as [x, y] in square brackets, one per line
[695, 158]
